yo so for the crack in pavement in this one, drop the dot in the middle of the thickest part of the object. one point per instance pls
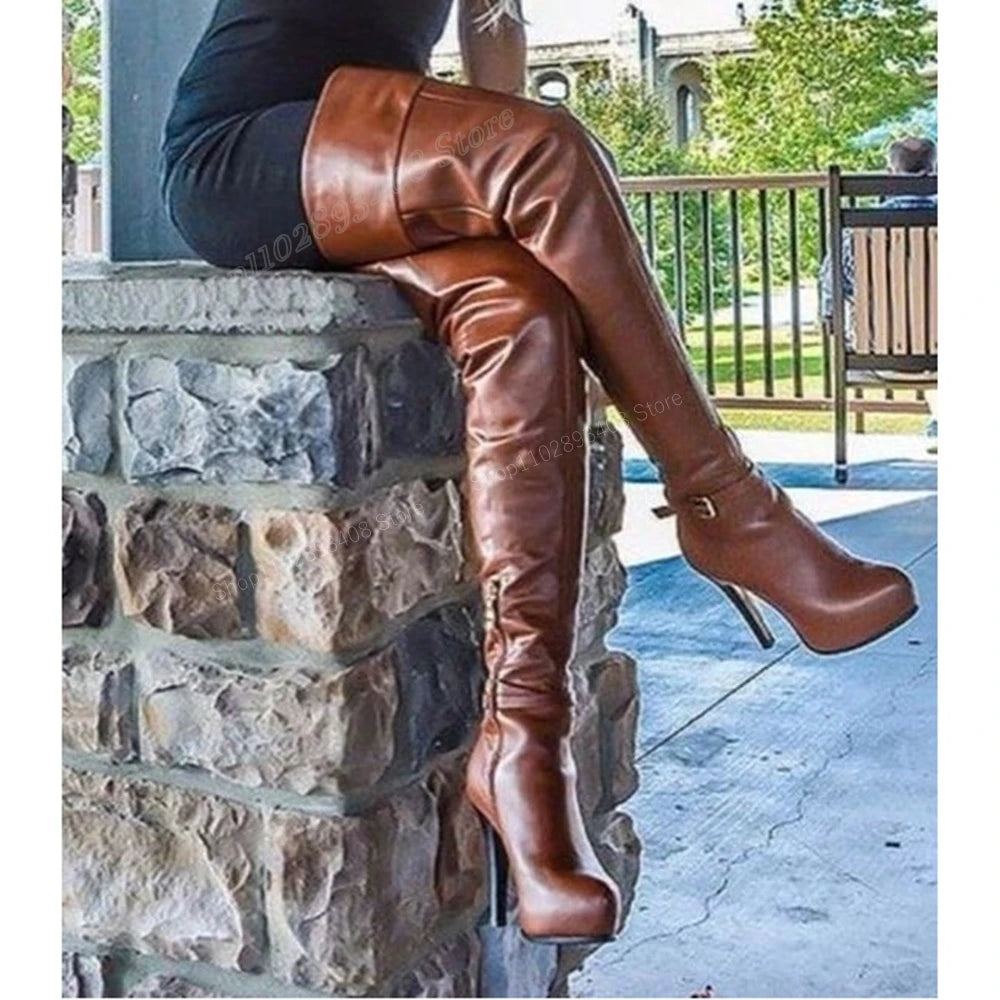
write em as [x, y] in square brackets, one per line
[772, 831]
[745, 855]
[924, 670]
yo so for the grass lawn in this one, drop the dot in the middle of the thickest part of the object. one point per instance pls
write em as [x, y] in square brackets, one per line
[784, 385]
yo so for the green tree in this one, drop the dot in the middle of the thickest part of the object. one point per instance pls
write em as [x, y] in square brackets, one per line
[824, 73]
[82, 47]
[632, 120]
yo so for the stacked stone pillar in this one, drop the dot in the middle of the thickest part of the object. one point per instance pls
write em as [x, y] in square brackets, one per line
[271, 666]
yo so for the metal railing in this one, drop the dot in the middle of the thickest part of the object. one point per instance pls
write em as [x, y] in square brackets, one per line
[739, 259]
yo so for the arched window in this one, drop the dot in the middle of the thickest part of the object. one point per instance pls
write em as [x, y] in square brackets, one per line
[687, 114]
[553, 88]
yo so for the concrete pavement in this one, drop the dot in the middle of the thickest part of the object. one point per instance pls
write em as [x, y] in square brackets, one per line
[787, 801]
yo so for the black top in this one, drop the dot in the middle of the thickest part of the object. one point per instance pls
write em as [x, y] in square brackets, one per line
[257, 53]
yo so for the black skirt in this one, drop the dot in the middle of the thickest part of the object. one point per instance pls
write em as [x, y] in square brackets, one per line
[235, 193]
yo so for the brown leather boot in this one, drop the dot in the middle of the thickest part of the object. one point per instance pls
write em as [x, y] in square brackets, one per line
[505, 320]
[401, 163]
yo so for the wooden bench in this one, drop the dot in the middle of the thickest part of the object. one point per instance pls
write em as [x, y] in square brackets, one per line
[886, 335]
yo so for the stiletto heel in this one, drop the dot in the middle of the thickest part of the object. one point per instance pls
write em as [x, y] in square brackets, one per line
[496, 861]
[752, 615]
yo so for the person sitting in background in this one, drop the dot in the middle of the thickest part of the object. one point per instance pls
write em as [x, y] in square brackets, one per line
[910, 155]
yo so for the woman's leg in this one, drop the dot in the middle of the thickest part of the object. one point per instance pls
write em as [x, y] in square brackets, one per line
[505, 320]
[418, 163]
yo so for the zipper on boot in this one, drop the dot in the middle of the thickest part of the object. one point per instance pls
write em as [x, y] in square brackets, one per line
[491, 622]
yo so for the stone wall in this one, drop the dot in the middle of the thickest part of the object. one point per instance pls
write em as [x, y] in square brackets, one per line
[271, 669]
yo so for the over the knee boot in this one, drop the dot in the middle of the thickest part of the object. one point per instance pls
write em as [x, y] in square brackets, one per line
[406, 163]
[515, 335]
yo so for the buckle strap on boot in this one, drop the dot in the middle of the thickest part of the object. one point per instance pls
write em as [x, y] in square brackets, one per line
[704, 506]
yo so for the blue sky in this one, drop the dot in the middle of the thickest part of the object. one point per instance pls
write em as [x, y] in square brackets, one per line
[553, 21]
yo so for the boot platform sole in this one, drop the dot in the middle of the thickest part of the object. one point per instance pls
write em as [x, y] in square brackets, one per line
[902, 620]
[549, 939]
[745, 604]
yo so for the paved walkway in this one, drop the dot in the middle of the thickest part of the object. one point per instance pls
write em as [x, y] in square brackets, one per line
[787, 801]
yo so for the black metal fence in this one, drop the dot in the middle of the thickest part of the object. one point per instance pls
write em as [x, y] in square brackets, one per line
[739, 260]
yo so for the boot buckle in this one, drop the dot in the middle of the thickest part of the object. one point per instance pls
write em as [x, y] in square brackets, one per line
[704, 507]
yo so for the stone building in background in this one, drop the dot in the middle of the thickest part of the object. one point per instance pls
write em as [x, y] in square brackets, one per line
[674, 63]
